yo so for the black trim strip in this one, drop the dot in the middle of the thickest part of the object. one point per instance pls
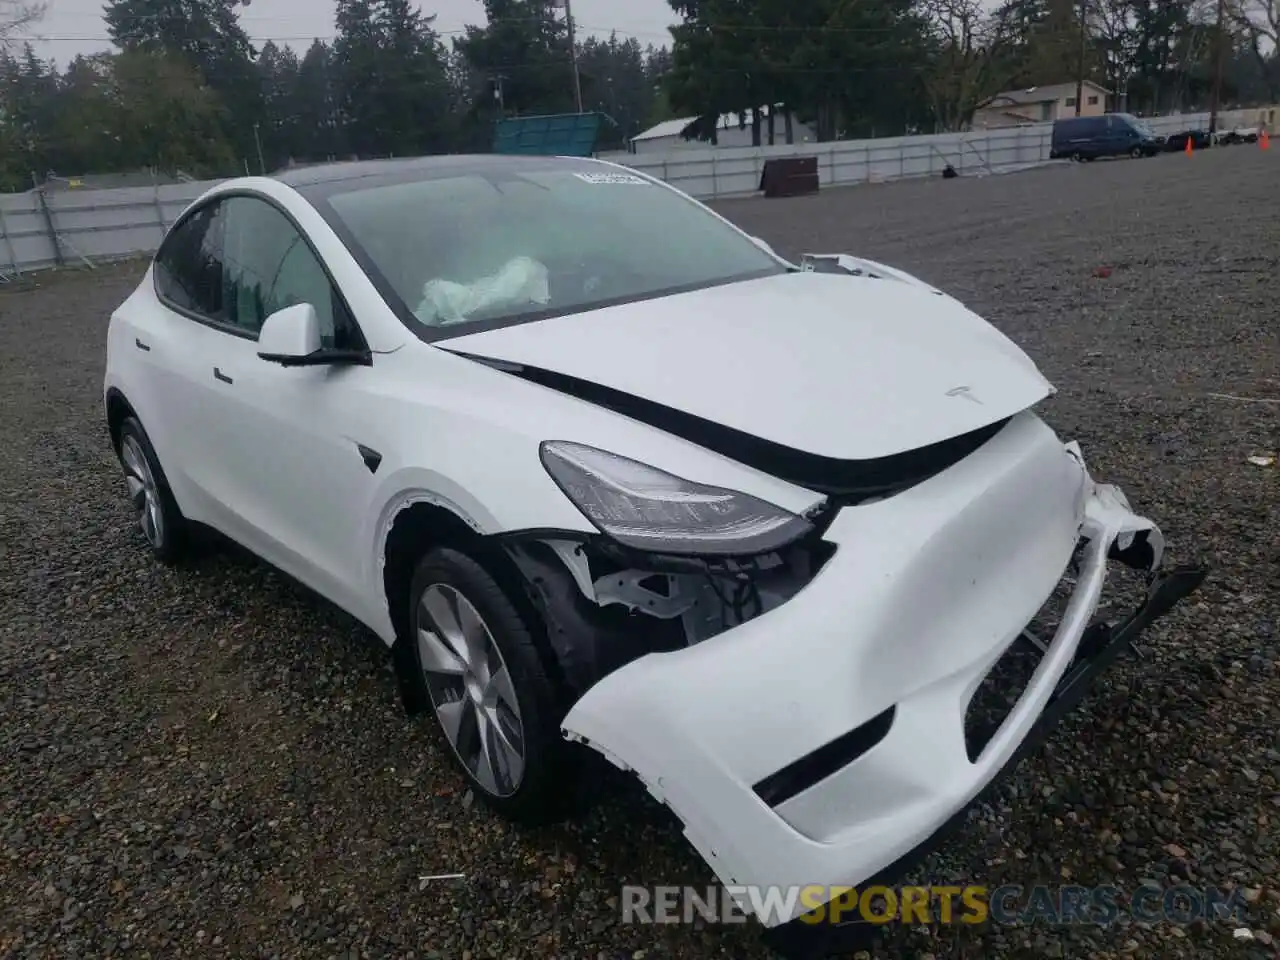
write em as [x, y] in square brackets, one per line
[372, 458]
[849, 481]
[797, 777]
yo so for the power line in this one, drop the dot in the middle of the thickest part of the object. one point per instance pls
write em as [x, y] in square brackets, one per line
[303, 38]
[635, 34]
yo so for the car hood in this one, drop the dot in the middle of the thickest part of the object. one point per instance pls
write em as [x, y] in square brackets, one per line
[843, 367]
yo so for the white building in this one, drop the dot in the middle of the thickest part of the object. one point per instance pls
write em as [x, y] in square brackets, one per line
[730, 132]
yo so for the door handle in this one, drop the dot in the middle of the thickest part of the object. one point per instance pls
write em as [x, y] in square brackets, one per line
[140, 345]
[219, 375]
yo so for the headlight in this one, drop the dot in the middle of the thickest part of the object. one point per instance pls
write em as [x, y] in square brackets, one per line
[650, 509]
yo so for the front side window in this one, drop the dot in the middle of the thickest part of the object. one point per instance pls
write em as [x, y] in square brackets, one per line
[188, 267]
[464, 250]
[267, 266]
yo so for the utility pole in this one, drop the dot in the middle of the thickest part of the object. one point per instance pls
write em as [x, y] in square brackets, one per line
[498, 95]
[1217, 74]
[1084, 43]
[573, 52]
[257, 139]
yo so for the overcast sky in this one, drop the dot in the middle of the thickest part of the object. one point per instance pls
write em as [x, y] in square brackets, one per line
[75, 26]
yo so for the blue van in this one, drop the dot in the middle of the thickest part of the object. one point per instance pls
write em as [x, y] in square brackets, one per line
[1108, 135]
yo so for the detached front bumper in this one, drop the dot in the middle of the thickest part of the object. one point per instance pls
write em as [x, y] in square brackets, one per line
[1101, 644]
[823, 743]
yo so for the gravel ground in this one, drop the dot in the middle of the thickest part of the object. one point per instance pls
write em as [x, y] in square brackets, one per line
[213, 762]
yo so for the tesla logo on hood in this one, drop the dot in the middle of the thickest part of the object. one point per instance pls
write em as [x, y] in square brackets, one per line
[963, 392]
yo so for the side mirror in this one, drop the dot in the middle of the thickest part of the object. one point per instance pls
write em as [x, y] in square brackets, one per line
[290, 334]
[291, 338]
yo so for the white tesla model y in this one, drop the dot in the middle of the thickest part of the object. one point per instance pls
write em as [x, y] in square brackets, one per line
[602, 469]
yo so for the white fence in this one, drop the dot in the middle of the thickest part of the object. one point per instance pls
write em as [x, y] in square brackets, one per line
[71, 226]
[735, 171]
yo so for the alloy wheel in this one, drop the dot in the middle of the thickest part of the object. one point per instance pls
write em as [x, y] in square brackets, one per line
[143, 491]
[471, 689]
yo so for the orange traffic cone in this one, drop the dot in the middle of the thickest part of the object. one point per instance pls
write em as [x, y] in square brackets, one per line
[1189, 147]
[1264, 140]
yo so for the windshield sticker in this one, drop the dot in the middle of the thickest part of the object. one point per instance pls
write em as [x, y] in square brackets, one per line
[612, 178]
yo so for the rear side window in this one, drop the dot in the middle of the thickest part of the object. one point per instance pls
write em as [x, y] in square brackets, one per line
[188, 267]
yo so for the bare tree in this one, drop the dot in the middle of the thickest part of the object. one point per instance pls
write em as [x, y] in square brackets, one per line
[1112, 25]
[969, 64]
[16, 17]
[1260, 18]
[1259, 21]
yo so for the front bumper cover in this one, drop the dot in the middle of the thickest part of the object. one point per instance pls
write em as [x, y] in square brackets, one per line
[926, 591]
[814, 937]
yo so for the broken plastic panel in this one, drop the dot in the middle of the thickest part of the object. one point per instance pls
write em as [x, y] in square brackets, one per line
[860, 267]
[604, 610]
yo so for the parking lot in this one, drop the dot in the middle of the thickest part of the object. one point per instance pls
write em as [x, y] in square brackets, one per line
[213, 762]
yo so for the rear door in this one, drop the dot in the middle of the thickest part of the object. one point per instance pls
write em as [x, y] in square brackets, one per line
[187, 340]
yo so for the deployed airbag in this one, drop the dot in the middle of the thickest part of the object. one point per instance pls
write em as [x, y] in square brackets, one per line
[521, 281]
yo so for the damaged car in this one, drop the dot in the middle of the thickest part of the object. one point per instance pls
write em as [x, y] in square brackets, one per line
[606, 473]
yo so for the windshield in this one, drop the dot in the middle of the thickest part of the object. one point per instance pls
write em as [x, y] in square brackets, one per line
[469, 250]
[1137, 124]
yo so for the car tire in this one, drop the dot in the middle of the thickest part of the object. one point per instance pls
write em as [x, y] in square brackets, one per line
[1078, 157]
[163, 526]
[465, 633]
[1137, 153]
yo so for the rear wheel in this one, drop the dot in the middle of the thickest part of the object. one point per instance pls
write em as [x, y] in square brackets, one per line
[473, 659]
[161, 522]
[1137, 152]
[1078, 157]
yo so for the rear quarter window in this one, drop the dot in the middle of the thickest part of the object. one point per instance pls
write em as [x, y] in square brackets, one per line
[188, 266]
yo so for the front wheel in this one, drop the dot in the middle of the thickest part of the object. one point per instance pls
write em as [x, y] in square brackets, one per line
[473, 658]
[1137, 153]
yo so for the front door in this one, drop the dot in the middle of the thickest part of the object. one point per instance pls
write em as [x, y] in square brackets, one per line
[292, 466]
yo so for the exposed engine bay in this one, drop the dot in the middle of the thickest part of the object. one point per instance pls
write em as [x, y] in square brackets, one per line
[605, 607]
